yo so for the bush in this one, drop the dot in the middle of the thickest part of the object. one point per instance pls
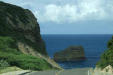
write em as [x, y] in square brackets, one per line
[9, 52]
[25, 61]
[4, 63]
[107, 56]
[110, 44]
[7, 44]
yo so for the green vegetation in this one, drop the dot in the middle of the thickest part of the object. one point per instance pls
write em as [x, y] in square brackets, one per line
[10, 54]
[20, 39]
[25, 61]
[20, 24]
[107, 56]
[4, 64]
[17, 11]
[9, 69]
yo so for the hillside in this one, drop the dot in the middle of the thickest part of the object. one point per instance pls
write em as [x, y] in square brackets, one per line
[21, 44]
[107, 56]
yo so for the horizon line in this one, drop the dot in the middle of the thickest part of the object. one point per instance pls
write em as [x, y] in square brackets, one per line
[76, 34]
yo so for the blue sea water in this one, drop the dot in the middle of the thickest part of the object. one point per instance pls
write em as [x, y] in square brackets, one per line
[94, 46]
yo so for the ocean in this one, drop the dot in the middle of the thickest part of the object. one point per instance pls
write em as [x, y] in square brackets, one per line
[94, 46]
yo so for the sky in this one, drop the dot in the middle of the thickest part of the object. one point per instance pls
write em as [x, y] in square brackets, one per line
[71, 16]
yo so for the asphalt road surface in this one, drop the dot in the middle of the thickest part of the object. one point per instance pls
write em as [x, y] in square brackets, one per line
[81, 71]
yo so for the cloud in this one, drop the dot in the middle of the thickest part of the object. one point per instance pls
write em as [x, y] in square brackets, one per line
[83, 11]
[57, 13]
[61, 11]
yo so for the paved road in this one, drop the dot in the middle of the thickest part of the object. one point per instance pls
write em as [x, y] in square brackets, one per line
[43, 73]
[75, 72]
[16, 72]
[83, 71]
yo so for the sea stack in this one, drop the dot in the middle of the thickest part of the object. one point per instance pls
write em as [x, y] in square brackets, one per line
[72, 53]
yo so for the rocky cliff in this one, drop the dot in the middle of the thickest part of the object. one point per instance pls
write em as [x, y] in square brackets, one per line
[21, 24]
[20, 39]
[72, 53]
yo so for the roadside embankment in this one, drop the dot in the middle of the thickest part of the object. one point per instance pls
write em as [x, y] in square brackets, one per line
[97, 71]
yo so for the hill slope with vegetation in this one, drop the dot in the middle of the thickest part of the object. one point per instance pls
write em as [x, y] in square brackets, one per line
[107, 56]
[21, 44]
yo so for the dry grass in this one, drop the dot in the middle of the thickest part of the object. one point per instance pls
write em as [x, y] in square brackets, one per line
[9, 69]
[29, 50]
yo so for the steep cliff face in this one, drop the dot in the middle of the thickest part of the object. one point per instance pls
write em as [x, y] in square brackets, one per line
[21, 44]
[21, 24]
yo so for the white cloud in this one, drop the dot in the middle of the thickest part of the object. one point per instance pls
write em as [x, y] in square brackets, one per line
[61, 11]
[58, 13]
[84, 10]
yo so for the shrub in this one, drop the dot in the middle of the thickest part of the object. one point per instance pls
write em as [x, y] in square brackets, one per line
[4, 63]
[25, 61]
[7, 44]
[107, 56]
[9, 53]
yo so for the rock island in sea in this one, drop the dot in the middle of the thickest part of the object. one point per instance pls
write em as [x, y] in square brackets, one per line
[72, 53]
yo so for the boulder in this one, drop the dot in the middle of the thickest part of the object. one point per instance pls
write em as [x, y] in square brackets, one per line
[72, 53]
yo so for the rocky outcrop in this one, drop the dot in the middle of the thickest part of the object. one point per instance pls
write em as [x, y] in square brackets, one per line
[73, 53]
[21, 26]
[98, 71]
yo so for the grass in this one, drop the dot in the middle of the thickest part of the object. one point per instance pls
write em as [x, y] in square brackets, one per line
[20, 32]
[10, 53]
[15, 28]
[9, 69]
[25, 61]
